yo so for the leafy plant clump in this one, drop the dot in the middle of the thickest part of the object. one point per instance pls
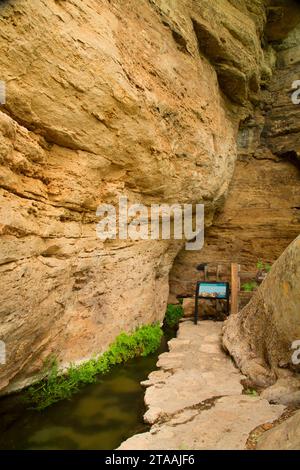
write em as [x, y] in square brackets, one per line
[55, 387]
[261, 266]
[173, 314]
[249, 286]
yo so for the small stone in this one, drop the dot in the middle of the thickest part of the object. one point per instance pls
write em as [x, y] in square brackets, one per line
[188, 306]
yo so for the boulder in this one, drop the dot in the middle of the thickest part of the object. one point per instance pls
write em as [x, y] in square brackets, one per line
[188, 306]
[262, 335]
[285, 436]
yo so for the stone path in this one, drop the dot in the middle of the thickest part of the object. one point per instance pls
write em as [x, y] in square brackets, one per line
[195, 399]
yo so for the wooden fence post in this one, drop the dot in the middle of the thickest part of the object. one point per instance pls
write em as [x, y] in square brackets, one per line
[235, 288]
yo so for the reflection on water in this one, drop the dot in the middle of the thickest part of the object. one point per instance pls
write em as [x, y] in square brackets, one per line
[101, 416]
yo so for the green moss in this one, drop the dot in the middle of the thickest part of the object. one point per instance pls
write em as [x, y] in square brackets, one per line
[173, 315]
[55, 387]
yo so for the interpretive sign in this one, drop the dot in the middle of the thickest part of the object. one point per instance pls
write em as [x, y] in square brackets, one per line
[211, 291]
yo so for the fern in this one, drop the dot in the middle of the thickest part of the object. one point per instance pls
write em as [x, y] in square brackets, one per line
[55, 387]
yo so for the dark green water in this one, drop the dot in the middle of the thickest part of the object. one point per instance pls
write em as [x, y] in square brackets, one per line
[100, 416]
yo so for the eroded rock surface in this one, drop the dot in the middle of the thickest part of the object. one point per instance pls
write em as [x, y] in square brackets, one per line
[103, 99]
[285, 436]
[260, 336]
[101, 102]
[195, 399]
[261, 214]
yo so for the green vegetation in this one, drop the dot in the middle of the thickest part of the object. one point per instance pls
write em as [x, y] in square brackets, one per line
[261, 266]
[249, 286]
[54, 387]
[252, 285]
[173, 315]
[251, 392]
[268, 267]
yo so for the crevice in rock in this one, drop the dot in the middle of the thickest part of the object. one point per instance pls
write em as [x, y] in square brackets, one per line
[258, 432]
[45, 133]
[290, 156]
[202, 406]
[180, 40]
[232, 81]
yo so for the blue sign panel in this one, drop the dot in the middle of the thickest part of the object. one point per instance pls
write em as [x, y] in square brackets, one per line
[213, 290]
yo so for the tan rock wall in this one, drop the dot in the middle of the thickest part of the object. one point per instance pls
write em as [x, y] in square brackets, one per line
[109, 98]
[106, 98]
[261, 215]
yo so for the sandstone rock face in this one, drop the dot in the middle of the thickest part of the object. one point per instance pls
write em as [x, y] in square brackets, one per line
[261, 214]
[282, 129]
[260, 337]
[104, 99]
[259, 219]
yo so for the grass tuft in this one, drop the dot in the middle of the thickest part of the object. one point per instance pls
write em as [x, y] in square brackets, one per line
[173, 314]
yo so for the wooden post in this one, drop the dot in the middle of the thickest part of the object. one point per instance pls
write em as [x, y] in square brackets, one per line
[235, 288]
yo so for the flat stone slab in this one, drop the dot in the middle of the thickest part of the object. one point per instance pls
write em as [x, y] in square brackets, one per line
[224, 426]
[197, 369]
[195, 400]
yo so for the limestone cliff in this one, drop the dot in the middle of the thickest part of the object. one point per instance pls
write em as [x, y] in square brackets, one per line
[108, 98]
